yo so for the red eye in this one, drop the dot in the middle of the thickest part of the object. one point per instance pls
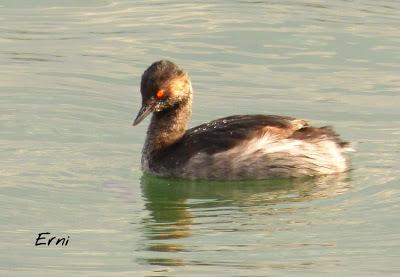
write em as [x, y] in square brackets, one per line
[160, 94]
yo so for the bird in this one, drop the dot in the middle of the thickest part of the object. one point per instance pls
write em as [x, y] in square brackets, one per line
[237, 147]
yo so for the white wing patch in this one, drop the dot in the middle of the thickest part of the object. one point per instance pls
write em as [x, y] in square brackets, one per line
[268, 156]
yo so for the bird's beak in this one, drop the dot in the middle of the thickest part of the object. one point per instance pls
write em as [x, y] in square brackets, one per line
[145, 110]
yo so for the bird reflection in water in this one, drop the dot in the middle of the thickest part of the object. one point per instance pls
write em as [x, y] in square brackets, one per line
[176, 206]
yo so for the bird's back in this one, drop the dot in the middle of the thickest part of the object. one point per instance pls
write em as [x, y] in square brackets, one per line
[251, 147]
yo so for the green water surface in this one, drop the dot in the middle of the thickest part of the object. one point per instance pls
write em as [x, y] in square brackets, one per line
[70, 159]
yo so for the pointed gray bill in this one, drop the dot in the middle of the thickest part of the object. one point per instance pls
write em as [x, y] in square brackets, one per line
[145, 110]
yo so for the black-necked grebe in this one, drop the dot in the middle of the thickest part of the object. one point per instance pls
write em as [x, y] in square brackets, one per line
[231, 148]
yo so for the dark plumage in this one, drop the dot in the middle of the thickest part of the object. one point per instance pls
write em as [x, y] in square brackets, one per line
[157, 76]
[234, 147]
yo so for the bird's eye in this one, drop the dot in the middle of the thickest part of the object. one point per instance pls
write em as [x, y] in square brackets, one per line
[160, 94]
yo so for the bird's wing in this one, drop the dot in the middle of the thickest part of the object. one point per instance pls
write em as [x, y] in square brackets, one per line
[225, 133]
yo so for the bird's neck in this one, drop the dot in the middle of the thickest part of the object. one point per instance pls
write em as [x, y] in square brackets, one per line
[168, 126]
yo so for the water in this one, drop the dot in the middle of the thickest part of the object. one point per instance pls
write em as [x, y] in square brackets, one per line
[69, 165]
